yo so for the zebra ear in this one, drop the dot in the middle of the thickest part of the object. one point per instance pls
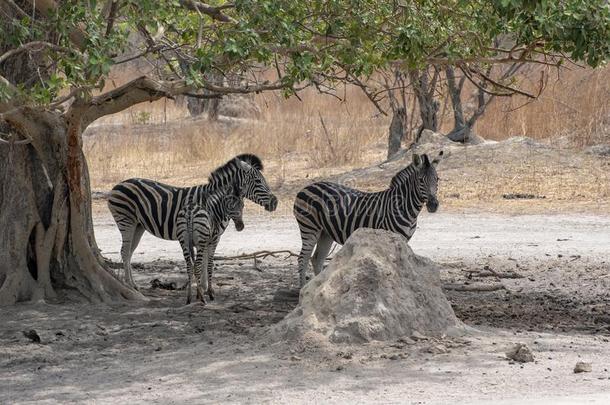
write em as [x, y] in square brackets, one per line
[417, 162]
[438, 158]
[244, 165]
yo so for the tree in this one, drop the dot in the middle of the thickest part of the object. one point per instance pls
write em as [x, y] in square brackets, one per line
[55, 57]
[462, 125]
[524, 33]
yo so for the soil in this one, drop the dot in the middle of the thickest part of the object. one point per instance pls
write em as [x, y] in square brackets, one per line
[162, 351]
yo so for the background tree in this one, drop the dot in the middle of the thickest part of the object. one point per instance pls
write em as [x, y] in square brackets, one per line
[55, 57]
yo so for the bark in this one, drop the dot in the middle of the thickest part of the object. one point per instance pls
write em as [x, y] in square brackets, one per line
[397, 131]
[460, 131]
[428, 106]
[47, 245]
[462, 127]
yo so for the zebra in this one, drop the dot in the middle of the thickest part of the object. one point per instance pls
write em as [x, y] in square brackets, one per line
[197, 226]
[139, 205]
[327, 212]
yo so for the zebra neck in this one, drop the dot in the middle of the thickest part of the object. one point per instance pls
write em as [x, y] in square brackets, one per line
[409, 194]
[201, 192]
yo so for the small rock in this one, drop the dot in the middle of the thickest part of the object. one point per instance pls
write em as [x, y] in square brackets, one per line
[437, 349]
[520, 353]
[418, 336]
[345, 355]
[295, 358]
[32, 335]
[582, 367]
[406, 340]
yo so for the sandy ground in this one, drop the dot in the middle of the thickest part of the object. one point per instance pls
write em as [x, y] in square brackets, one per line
[162, 351]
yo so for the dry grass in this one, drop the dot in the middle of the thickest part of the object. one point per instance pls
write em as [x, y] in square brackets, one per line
[290, 137]
[574, 110]
[183, 149]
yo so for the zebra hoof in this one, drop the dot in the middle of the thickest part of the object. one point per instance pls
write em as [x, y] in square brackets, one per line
[211, 294]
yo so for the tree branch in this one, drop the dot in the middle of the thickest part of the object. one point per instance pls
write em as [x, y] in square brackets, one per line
[245, 89]
[18, 9]
[136, 91]
[213, 12]
[114, 6]
[30, 45]
[495, 83]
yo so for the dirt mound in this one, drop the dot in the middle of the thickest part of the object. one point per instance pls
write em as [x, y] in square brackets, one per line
[375, 288]
[430, 137]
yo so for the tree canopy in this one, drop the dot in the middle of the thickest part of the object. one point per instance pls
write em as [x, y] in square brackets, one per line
[75, 44]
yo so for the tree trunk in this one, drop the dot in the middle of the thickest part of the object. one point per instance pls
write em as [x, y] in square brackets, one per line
[397, 131]
[428, 106]
[47, 245]
[460, 131]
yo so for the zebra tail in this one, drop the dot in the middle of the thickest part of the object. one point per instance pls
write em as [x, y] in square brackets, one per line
[189, 233]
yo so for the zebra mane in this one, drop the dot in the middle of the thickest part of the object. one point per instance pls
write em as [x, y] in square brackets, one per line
[401, 176]
[252, 160]
[227, 171]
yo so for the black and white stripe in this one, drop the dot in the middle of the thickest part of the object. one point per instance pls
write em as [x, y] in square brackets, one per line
[197, 227]
[328, 212]
[139, 205]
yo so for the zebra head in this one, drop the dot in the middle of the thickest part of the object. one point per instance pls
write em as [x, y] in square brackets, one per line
[254, 186]
[427, 179]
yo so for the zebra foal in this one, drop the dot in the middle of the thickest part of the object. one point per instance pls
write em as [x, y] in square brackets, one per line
[327, 212]
[197, 227]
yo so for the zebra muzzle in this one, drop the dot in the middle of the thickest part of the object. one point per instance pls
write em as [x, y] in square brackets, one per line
[272, 204]
[239, 225]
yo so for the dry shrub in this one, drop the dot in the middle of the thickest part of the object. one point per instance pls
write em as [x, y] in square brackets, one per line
[574, 110]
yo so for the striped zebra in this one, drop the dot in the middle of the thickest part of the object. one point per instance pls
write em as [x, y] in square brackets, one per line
[139, 205]
[328, 212]
[197, 226]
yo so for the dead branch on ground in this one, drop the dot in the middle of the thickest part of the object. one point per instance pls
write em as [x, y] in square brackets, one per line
[474, 287]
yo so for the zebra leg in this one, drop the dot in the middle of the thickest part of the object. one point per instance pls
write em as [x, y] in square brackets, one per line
[211, 249]
[202, 281]
[127, 234]
[189, 269]
[308, 243]
[189, 273]
[322, 248]
[135, 240]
